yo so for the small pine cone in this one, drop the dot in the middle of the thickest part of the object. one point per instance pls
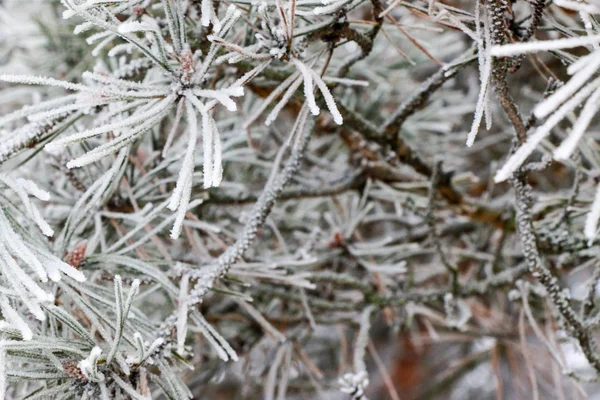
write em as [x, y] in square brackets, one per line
[72, 369]
[75, 256]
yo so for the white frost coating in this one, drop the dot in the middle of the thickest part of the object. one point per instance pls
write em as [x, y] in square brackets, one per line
[182, 209]
[81, 28]
[157, 342]
[69, 270]
[591, 221]
[136, 26]
[460, 25]
[42, 262]
[332, 7]
[362, 340]
[589, 25]
[329, 101]
[64, 110]
[310, 79]
[550, 104]
[577, 6]
[532, 142]
[96, 51]
[281, 104]
[219, 95]
[53, 263]
[217, 167]
[53, 273]
[481, 100]
[98, 36]
[514, 49]
[34, 189]
[346, 81]
[123, 84]
[14, 243]
[42, 80]
[25, 111]
[181, 195]
[235, 91]
[208, 15]
[212, 161]
[483, 56]
[21, 283]
[116, 144]
[207, 146]
[271, 97]
[354, 384]
[121, 48]
[135, 118]
[140, 346]
[89, 4]
[308, 86]
[15, 320]
[222, 347]
[88, 366]
[182, 312]
[568, 145]
[231, 15]
[22, 187]
[130, 390]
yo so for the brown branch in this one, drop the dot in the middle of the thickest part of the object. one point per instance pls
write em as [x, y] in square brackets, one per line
[525, 227]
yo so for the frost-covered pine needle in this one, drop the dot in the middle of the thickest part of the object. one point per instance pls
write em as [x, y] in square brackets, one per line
[567, 147]
[212, 152]
[15, 320]
[481, 99]
[514, 49]
[308, 86]
[517, 159]
[329, 101]
[309, 77]
[331, 7]
[182, 313]
[550, 104]
[578, 6]
[89, 365]
[591, 221]
[41, 80]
